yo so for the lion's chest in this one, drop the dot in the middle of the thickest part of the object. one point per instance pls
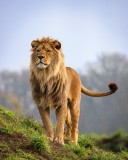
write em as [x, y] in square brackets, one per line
[53, 94]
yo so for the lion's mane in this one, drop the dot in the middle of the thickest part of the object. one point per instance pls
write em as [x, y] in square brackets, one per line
[49, 82]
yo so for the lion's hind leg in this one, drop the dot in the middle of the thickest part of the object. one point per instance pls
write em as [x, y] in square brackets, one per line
[69, 124]
[75, 112]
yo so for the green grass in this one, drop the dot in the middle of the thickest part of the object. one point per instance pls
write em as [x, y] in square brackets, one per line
[40, 143]
[20, 135]
[124, 153]
[29, 122]
[86, 141]
[75, 149]
[22, 138]
[11, 157]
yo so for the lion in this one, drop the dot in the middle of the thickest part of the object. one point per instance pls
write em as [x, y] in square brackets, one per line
[57, 87]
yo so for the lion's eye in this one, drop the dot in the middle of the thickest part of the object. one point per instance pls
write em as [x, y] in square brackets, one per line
[38, 50]
[48, 51]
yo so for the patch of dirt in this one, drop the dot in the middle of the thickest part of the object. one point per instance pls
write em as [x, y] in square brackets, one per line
[15, 142]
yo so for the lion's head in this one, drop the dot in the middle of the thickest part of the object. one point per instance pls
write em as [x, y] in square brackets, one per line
[47, 59]
[45, 52]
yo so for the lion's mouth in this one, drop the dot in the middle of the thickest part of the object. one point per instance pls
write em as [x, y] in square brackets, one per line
[42, 65]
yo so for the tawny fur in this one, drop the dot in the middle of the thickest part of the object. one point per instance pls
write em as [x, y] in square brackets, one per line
[57, 87]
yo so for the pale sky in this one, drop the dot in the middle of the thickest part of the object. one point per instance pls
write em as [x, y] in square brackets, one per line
[86, 28]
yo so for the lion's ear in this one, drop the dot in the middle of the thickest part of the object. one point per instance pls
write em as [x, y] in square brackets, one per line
[34, 43]
[56, 44]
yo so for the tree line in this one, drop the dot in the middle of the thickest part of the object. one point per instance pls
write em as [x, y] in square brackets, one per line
[99, 115]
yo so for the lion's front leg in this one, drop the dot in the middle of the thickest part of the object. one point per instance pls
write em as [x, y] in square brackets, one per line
[61, 113]
[45, 116]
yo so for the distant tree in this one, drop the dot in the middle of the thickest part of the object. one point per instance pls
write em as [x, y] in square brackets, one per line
[15, 90]
[106, 114]
[100, 115]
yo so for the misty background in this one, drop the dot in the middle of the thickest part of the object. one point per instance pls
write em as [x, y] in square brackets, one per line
[94, 39]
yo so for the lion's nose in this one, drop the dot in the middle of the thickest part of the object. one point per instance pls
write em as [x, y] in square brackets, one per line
[40, 57]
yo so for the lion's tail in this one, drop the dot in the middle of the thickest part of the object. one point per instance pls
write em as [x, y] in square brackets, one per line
[112, 86]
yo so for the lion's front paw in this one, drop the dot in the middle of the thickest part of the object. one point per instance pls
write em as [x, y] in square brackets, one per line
[59, 140]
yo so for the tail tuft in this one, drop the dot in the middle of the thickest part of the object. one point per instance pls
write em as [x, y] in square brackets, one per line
[113, 87]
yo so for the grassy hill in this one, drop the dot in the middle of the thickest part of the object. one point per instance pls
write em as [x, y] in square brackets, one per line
[22, 138]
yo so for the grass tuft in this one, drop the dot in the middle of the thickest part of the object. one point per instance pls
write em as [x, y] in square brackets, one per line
[75, 148]
[124, 153]
[6, 112]
[29, 122]
[40, 143]
[25, 155]
[12, 157]
[86, 141]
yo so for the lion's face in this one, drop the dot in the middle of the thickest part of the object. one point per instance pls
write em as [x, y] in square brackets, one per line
[45, 52]
[43, 55]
